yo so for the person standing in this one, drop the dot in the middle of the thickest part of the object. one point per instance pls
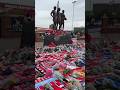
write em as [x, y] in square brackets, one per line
[54, 15]
[27, 32]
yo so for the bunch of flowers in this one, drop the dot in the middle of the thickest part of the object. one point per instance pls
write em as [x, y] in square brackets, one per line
[17, 69]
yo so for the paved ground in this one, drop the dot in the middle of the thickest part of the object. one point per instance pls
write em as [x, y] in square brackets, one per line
[14, 43]
[9, 44]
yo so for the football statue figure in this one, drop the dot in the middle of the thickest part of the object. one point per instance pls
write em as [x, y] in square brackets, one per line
[54, 16]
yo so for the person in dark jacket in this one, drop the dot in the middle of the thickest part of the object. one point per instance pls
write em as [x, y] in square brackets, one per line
[28, 32]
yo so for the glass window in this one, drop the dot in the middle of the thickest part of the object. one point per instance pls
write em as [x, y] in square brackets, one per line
[16, 23]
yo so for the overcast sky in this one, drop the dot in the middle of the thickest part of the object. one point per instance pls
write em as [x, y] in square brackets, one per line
[44, 7]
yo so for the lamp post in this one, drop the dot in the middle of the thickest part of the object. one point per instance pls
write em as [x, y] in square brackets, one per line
[73, 14]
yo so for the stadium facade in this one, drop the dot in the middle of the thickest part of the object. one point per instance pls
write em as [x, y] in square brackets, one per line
[10, 11]
[106, 12]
